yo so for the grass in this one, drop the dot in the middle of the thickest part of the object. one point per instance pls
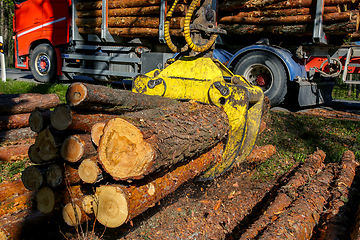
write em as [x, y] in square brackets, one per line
[20, 87]
[341, 91]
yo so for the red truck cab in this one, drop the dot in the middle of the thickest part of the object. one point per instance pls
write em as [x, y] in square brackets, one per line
[40, 27]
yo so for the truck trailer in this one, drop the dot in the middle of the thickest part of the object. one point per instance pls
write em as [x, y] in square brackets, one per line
[294, 57]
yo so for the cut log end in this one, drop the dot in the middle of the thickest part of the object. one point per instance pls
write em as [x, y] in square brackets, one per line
[72, 149]
[88, 204]
[71, 214]
[46, 146]
[32, 178]
[97, 131]
[122, 151]
[110, 206]
[89, 171]
[36, 121]
[45, 199]
[76, 93]
[61, 117]
[33, 156]
[54, 175]
[3, 235]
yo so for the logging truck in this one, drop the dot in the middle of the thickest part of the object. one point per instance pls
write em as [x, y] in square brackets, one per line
[119, 39]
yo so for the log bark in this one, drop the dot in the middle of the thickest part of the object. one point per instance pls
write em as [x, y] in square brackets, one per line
[271, 13]
[135, 147]
[28, 102]
[39, 119]
[63, 118]
[101, 98]
[130, 32]
[299, 220]
[130, 201]
[24, 202]
[97, 131]
[77, 147]
[116, 4]
[336, 218]
[14, 135]
[259, 154]
[292, 19]
[14, 152]
[14, 121]
[129, 22]
[12, 189]
[286, 194]
[133, 11]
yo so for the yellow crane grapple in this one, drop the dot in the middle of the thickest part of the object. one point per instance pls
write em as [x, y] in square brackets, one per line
[196, 75]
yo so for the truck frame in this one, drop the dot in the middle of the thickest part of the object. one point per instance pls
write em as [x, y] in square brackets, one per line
[48, 42]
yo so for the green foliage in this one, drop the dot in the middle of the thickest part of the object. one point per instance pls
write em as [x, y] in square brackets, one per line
[20, 87]
[10, 169]
[341, 91]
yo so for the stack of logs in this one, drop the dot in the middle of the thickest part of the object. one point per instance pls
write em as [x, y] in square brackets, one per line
[139, 18]
[134, 149]
[291, 18]
[15, 133]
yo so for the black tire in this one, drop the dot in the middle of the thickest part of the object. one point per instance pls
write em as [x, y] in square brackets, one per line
[43, 63]
[265, 70]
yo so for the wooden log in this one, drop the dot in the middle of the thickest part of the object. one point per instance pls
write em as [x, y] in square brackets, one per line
[63, 118]
[33, 177]
[89, 171]
[123, 22]
[101, 98]
[14, 121]
[28, 102]
[77, 147]
[292, 19]
[24, 202]
[116, 4]
[14, 152]
[46, 146]
[14, 135]
[130, 201]
[299, 220]
[336, 218]
[286, 194]
[133, 11]
[45, 200]
[259, 154]
[135, 147]
[271, 13]
[39, 119]
[130, 32]
[12, 189]
[97, 131]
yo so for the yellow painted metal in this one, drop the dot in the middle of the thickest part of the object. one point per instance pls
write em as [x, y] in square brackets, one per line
[201, 79]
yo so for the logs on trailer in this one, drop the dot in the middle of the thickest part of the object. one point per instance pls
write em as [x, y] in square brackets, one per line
[136, 146]
[28, 102]
[130, 32]
[101, 98]
[116, 4]
[14, 121]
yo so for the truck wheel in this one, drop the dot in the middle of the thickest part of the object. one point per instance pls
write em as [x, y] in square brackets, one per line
[43, 63]
[265, 70]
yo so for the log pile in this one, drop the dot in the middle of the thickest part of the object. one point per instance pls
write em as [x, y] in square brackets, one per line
[238, 17]
[16, 135]
[287, 18]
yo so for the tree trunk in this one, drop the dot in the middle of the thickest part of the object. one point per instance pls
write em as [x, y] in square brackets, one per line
[101, 98]
[63, 118]
[14, 152]
[39, 119]
[286, 194]
[116, 4]
[130, 201]
[77, 147]
[134, 11]
[135, 147]
[130, 32]
[14, 121]
[128, 22]
[14, 135]
[298, 221]
[28, 102]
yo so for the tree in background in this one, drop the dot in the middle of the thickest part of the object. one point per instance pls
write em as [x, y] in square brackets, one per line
[6, 30]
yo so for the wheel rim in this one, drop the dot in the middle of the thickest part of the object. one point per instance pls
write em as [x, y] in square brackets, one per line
[259, 75]
[43, 64]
